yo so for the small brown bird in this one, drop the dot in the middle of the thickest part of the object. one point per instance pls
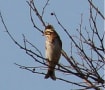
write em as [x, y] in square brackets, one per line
[53, 49]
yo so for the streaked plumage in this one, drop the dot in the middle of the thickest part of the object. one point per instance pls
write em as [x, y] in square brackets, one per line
[53, 50]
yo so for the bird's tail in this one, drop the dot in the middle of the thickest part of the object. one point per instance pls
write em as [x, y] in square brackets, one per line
[50, 74]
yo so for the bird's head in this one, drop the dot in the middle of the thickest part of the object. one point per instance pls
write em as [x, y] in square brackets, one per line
[50, 32]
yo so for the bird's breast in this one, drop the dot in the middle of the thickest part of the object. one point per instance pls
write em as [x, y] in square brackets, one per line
[53, 50]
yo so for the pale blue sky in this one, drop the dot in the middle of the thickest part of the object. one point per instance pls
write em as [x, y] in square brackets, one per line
[17, 19]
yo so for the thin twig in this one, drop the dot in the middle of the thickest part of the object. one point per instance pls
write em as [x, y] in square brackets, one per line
[45, 7]
[98, 11]
[34, 23]
[33, 7]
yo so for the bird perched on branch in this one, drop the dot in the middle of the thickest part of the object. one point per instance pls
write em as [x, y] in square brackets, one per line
[53, 47]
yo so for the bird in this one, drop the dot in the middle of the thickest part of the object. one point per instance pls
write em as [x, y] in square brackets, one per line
[53, 47]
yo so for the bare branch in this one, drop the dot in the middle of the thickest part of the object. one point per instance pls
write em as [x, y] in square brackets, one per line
[98, 11]
[45, 7]
[33, 7]
[86, 59]
[34, 23]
